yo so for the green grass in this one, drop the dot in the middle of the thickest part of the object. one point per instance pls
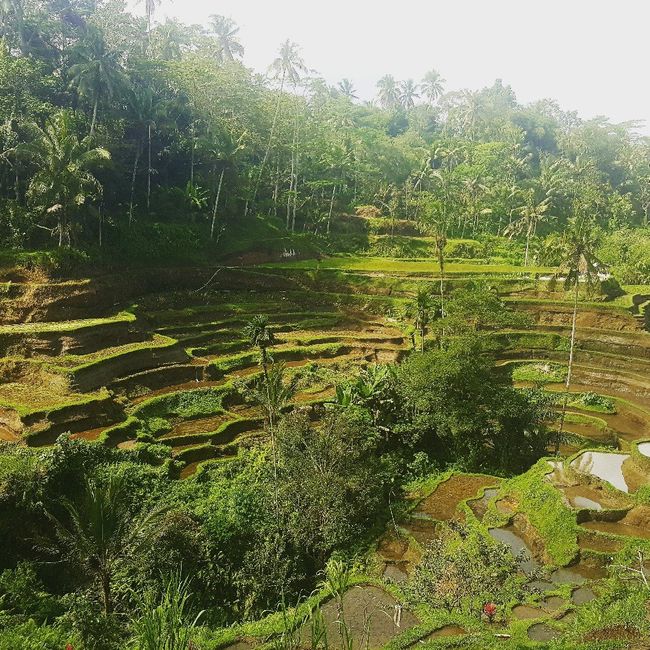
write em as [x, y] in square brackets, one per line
[545, 508]
[66, 326]
[387, 265]
[25, 410]
[540, 373]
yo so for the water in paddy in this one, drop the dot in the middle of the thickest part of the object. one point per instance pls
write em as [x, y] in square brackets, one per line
[618, 528]
[644, 448]
[584, 502]
[510, 538]
[606, 466]
[542, 632]
[479, 506]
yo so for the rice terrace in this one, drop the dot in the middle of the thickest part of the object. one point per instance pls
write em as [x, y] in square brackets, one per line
[283, 368]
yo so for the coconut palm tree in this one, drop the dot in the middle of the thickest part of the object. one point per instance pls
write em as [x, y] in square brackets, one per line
[432, 86]
[288, 66]
[346, 89]
[423, 307]
[388, 92]
[99, 533]
[530, 215]
[408, 93]
[580, 264]
[260, 335]
[147, 107]
[98, 76]
[225, 31]
[150, 7]
[62, 180]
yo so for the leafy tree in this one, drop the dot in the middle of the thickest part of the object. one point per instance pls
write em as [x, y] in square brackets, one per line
[330, 480]
[98, 75]
[63, 180]
[453, 405]
[100, 533]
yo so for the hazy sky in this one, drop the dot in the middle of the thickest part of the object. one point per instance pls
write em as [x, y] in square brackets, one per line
[590, 55]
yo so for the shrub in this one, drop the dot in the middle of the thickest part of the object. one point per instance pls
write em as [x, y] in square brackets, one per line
[464, 570]
[367, 211]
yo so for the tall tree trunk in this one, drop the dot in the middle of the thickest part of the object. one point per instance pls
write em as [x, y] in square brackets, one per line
[329, 216]
[94, 118]
[106, 592]
[567, 384]
[268, 147]
[148, 167]
[192, 156]
[133, 177]
[527, 246]
[216, 203]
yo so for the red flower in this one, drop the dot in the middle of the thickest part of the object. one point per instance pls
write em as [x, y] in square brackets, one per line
[69, 646]
[490, 609]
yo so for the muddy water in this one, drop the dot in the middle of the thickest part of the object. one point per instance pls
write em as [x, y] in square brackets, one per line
[582, 595]
[644, 448]
[510, 538]
[200, 425]
[605, 466]
[583, 496]
[542, 632]
[442, 503]
[373, 616]
[526, 612]
[479, 506]
[618, 528]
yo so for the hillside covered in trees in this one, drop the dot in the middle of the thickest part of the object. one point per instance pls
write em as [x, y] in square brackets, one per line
[285, 369]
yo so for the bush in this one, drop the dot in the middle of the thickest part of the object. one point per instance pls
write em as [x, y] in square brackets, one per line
[464, 570]
[367, 211]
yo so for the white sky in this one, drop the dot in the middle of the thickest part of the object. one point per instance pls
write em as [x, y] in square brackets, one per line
[590, 55]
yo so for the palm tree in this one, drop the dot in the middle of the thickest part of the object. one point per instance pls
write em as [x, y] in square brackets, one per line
[62, 180]
[150, 7]
[408, 93]
[580, 265]
[423, 306]
[223, 150]
[388, 92]
[432, 86]
[274, 394]
[99, 532]
[530, 215]
[147, 107]
[260, 335]
[228, 46]
[288, 66]
[347, 89]
[98, 76]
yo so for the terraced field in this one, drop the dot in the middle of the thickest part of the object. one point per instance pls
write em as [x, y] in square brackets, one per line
[103, 376]
[168, 365]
